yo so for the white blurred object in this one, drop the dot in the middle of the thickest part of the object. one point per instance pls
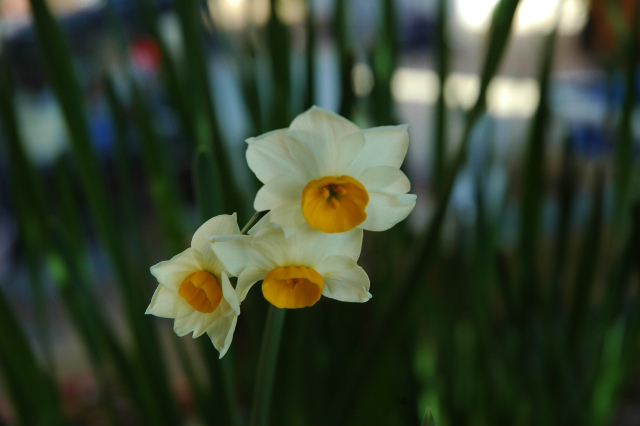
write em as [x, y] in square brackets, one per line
[236, 15]
[362, 79]
[16, 14]
[292, 12]
[532, 16]
[415, 86]
[42, 127]
[506, 97]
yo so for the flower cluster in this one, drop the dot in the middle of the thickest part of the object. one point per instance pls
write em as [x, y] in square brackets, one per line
[325, 180]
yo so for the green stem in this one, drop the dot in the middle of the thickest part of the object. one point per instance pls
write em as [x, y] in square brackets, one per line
[267, 364]
[254, 219]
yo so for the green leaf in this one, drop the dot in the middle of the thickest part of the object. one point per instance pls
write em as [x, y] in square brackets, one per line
[310, 57]
[207, 184]
[267, 365]
[428, 418]
[279, 46]
[533, 185]
[421, 253]
[59, 67]
[31, 385]
[587, 267]
[164, 192]
[440, 125]
[27, 194]
[623, 161]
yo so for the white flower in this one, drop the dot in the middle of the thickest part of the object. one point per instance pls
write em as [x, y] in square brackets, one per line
[194, 288]
[325, 171]
[296, 270]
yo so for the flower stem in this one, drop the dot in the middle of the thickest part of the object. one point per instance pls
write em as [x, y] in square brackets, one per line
[254, 219]
[267, 364]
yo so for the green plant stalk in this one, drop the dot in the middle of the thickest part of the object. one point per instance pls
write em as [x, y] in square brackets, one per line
[70, 278]
[310, 57]
[68, 267]
[279, 52]
[623, 160]
[207, 185]
[587, 268]
[124, 164]
[200, 93]
[442, 68]
[31, 382]
[630, 351]
[533, 186]
[47, 237]
[161, 181]
[421, 253]
[384, 63]
[183, 106]
[26, 204]
[23, 413]
[567, 189]
[345, 58]
[267, 364]
[129, 209]
[248, 69]
[528, 292]
[59, 67]
[164, 195]
[221, 377]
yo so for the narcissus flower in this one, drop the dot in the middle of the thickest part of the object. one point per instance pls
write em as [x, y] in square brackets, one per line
[194, 288]
[297, 269]
[325, 171]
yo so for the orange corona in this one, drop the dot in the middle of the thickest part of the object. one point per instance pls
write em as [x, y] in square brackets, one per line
[202, 291]
[292, 287]
[334, 204]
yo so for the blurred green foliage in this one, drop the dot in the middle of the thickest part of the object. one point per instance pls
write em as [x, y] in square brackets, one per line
[545, 332]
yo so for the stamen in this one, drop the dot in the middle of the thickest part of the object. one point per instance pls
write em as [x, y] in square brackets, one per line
[339, 189]
[334, 203]
[325, 193]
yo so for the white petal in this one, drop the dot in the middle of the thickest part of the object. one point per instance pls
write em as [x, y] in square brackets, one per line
[221, 333]
[348, 151]
[344, 280]
[219, 225]
[187, 318]
[320, 141]
[229, 294]
[170, 273]
[190, 320]
[268, 157]
[163, 303]
[327, 125]
[313, 247]
[385, 179]
[385, 210]
[303, 246]
[277, 192]
[247, 279]
[232, 252]
[321, 158]
[385, 146]
[287, 216]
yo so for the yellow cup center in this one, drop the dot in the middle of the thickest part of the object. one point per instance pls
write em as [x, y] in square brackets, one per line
[334, 204]
[292, 287]
[202, 291]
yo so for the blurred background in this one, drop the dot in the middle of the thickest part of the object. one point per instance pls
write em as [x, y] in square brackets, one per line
[509, 296]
